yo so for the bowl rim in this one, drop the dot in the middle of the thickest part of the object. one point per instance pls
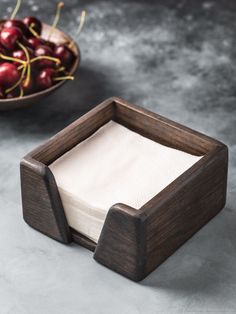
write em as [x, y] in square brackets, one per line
[55, 86]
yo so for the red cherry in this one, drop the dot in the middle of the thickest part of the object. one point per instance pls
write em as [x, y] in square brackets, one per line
[9, 74]
[19, 24]
[2, 24]
[50, 44]
[10, 36]
[44, 79]
[3, 50]
[41, 51]
[35, 42]
[26, 43]
[31, 21]
[2, 93]
[20, 54]
[65, 54]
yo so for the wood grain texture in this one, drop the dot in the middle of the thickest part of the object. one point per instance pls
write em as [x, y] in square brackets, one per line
[184, 207]
[122, 243]
[42, 207]
[161, 129]
[132, 242]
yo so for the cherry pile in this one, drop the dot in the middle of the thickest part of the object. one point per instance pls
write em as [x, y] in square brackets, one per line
[28, 62]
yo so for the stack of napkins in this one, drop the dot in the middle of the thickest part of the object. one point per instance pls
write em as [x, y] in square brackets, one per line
[114, 165]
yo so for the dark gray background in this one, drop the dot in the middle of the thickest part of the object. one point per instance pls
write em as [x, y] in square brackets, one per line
[176, 58]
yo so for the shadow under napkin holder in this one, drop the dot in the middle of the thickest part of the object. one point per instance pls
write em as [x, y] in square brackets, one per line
[132, 242]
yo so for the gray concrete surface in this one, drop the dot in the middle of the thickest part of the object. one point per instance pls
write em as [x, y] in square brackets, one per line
[176, 58]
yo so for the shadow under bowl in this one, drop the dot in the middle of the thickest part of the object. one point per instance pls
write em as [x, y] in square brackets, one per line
[58, 37]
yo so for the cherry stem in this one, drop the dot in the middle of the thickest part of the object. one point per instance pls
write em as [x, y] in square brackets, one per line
[82, 22]
[62, 78]
[56, 60]
[61, 69]
[19, 81]
[17, 7]
[21, 92]
[21, 67]
[28, 62]
[4, 57]
[60, 5]
[31, 28]
[81, 26]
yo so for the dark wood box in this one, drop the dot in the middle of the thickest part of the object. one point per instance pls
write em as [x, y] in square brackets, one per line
[132, 242]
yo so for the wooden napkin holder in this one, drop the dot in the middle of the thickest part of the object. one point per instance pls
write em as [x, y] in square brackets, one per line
[132, 242]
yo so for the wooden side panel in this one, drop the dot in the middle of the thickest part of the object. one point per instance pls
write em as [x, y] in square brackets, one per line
[42, 207]
[162, 130]
[184, 207]
[121, 245]
[75, 133]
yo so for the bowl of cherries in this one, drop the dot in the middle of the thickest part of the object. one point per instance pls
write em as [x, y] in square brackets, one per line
[35, 58]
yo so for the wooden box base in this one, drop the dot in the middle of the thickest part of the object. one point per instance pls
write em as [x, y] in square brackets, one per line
[132, 242]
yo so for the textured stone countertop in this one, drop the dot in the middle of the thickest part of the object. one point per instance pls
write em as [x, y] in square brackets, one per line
[177, 58]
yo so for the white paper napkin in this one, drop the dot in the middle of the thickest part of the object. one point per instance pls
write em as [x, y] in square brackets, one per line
[114, 165]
